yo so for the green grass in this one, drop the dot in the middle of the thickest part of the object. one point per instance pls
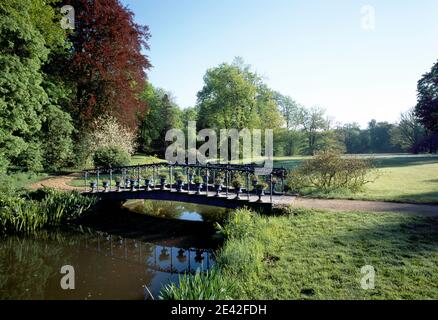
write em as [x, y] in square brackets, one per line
[20, 180]
[141, 159]
[319, 255]
[403, 178]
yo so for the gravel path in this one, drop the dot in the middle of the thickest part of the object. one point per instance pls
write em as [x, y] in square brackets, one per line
[58, 182]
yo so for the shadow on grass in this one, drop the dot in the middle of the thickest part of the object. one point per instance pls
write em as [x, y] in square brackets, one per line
[288, 164]
[400, 161]
[431, 181]
[401, 237]
[387, 161]
[430, 198]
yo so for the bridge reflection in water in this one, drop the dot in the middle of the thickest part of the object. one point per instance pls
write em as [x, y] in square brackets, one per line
[160, 258]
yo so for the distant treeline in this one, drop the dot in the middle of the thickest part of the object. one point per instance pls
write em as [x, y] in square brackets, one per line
[233, 96]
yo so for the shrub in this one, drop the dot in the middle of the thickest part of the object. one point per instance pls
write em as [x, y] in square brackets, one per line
[239, 224]
[106, 131]
[45, 208]
[148, 174]
[198, 179]
[237, 182]
[111, 156]
[261, 186]
[163, 175]
[179, 176]
[328, 171]
[57, 142]
[211, 285]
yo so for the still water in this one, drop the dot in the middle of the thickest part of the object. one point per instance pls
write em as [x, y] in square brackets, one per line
[121, 254]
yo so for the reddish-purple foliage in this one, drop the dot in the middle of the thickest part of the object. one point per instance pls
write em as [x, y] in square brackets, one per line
[107, 63]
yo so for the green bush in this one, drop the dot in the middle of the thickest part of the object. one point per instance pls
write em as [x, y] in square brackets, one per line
[328, 171]
[57, 141]
[211, 285]
[111, 157]
[237, 182]
[45, 208]
[242, 254]
[239, 224]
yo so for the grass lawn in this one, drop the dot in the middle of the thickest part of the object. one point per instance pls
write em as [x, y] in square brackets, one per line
[20, 180]
[138, 159]
[403, 178]
[319, 255]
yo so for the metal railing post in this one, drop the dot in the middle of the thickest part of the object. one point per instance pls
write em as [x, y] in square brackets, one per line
[138, 178]
[188, 179]
[207, 174]
[270, 183]
[282, 179]
[247, 185]
[110, 179]
[170, 177]
[227, 182]
[153, 176]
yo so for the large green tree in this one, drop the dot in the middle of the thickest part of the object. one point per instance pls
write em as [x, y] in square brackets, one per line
[235, 97]
[409, 133]
[427, 106]
[314, 123]
[292, 112]
[29, 33]
[163, 114]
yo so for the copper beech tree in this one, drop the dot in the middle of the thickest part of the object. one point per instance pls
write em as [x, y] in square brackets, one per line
[106, 64]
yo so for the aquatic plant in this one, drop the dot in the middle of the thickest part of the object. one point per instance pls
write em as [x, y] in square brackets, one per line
[208, 285]
[45, 208]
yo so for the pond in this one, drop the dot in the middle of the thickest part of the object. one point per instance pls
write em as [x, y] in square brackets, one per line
[116, 254]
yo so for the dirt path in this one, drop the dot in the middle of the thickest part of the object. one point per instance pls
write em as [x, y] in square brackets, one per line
[58, 182]
[364, 206]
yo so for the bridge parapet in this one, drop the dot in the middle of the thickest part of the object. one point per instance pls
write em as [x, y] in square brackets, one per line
[221, 181]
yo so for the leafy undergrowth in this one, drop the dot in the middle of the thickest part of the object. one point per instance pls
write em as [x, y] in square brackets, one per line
[27, 213]
[309, 254]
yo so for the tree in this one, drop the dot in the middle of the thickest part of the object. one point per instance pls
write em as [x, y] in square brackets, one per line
[22, 97]
[228, 98]
[56, 135]
[409, 133]
[106, 64]
[427, 105]
[234, 97]
[291, 110]
[355, 139]
[314, 122]
[105, 131]
[163, 115]
[289, 142]
[380, 137]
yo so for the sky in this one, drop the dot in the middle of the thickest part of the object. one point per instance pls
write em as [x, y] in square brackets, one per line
[330, 54]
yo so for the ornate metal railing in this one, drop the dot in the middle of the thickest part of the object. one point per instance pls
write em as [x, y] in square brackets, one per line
[213, 177]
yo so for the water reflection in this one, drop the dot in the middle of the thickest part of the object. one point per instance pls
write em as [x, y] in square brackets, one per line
[177, 210]
[161, 258]
[106, 266]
